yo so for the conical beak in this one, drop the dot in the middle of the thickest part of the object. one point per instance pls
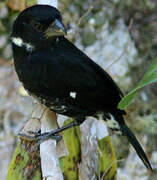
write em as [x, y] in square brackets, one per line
[59, 27]
[56, 29]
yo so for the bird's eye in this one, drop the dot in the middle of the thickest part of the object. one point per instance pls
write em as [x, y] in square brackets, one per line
[37, 26]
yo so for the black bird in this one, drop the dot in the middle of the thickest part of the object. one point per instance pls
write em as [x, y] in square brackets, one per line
[62, 77]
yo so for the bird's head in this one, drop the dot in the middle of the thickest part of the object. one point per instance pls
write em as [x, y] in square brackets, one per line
[37, 26]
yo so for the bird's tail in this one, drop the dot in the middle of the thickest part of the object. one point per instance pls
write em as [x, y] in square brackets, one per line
[132, 139]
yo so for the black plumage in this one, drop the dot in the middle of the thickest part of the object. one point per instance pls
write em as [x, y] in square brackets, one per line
[61, 76]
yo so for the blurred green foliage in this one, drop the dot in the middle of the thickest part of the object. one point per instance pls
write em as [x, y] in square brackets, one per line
[149, 77]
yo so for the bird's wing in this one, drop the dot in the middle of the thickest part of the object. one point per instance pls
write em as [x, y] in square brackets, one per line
[70, 72]
[71, 54]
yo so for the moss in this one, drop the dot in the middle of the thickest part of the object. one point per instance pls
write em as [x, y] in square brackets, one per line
[22, 166]
[14, 171]
[106, 159]
[69, 164]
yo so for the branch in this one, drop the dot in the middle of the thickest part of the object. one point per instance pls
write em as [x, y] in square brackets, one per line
[48, 154]
[49, 2]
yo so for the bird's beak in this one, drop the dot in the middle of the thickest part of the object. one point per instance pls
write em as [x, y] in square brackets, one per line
[57, 28]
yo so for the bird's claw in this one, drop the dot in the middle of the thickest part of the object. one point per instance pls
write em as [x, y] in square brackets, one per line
[35, 132]
[48, 135]
[39, 138]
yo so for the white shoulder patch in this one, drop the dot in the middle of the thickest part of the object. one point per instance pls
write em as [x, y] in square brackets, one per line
[19, 42]
[73, 94]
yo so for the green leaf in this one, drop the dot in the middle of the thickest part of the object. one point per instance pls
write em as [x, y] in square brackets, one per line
[149, 77]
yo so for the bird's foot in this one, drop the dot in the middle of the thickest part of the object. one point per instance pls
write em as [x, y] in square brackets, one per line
[48, 135]
[39, 138]
[35, 133]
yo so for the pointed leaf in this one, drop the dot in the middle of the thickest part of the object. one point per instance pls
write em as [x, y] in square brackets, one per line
[149, 77]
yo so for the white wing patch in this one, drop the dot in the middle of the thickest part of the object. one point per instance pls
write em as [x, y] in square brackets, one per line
[19, 42]
[73, 94]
